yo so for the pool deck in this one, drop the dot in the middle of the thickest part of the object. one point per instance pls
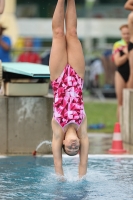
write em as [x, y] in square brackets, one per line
[100, 143]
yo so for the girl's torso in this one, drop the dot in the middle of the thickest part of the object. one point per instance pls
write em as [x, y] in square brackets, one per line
[124, 69]
[68, 98]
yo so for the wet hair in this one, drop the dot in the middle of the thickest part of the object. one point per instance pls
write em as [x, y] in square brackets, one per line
[123, 26]
[63, 147]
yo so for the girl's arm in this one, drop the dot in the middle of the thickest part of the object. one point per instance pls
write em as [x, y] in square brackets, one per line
[57, 155]
[129, 5]
[120, 60]
[84, 149]
[2, 6]
[57, 148]
[4, 45]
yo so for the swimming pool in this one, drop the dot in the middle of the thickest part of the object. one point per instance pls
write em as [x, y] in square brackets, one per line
[26, 177]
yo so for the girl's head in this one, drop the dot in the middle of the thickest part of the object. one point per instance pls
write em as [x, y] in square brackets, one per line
[71, 142]
[125, 32]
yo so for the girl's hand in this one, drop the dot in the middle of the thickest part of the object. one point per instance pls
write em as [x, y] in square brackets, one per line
[125, 50]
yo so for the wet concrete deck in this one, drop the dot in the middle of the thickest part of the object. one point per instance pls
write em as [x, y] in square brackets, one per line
[100, 143]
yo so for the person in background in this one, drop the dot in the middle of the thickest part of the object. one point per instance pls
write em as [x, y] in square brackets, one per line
[109, 68]
[45, 57]
[120, 57]
[129, 6]
[96, 69]
[18, 47]
[5, 46]
[29, 55]
[2, 6]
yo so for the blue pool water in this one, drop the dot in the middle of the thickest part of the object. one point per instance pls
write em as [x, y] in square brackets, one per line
[25, 177]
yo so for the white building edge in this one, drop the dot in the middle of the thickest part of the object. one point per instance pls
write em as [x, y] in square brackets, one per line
[87, 30]
[93, 28]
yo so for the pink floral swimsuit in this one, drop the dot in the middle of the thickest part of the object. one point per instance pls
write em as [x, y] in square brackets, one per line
[68, 100]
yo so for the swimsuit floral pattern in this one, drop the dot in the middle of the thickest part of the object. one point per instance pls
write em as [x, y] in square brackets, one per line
[68, 100]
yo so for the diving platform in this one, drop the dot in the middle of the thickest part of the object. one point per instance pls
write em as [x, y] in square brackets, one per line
[24, 79]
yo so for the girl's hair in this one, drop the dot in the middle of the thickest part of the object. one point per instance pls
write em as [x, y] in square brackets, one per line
[123, 26]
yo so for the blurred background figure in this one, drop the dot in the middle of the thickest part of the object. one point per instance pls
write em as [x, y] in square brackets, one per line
[96, 69]
[29, 55]
[45, 57]
[120, 57]
[109, 68]
[18, 48]
[5, 46]
[2, 6]
[129, 6]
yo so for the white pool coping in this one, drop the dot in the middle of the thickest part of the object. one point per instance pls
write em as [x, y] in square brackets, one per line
[110, 156]
[94, 156]
[3, 156]
[98, 156]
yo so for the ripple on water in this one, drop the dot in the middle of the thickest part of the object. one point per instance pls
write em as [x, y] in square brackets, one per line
[31, 178]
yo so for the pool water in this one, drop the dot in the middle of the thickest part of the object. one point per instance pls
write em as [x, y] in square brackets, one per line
[25, 177]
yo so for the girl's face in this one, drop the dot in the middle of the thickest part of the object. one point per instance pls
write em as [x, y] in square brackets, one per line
[72, 146]
[125, 34]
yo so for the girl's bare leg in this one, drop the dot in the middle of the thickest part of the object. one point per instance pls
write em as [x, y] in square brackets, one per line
[74, 48]
[130, 23]
[119, 86]
[58, 56]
